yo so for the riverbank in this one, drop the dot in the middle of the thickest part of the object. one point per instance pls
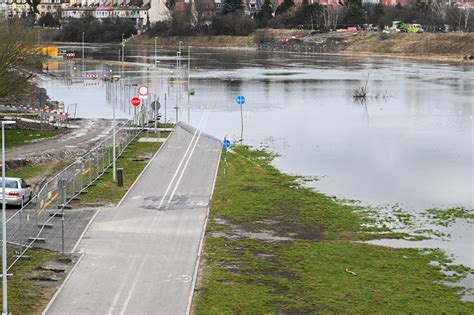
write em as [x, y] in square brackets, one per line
[457, 47]
[274, 246]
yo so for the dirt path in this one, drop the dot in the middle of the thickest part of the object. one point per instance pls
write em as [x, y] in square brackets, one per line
[90, 133]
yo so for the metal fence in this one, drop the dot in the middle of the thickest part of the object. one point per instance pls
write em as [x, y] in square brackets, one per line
[40, 222]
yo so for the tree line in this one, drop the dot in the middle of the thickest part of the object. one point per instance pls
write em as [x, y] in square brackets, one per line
[232, 20]
[96, 31]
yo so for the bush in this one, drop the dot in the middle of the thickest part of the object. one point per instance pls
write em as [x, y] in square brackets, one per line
[97, 31]
[48, 20]
[233, 24]
[263, 36]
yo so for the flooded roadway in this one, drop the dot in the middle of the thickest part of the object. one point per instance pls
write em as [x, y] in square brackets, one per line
[410, 143]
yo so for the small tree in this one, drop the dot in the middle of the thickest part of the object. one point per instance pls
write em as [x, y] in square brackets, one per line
[48, 20]
[33, 4]
[231, 6]
[354, 13]
[284, 7]
[265, 14]
[19, 59]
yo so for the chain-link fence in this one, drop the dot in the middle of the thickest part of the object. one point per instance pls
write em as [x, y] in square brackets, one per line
[41, 221]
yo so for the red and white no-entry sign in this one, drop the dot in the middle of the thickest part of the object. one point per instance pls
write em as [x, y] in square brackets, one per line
[143, 90]
[135, 101]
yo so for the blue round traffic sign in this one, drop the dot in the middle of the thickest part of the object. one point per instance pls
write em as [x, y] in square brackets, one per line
[240, 100]
[226, 143]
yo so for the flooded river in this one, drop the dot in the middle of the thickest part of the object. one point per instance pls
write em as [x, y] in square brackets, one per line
[410, 143]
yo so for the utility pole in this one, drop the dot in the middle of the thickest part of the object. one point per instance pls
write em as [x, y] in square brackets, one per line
[123, 48]
[114, 166]
[189, 89]
[83, 33]
[177, 81]
[4, 227]
[155, 52]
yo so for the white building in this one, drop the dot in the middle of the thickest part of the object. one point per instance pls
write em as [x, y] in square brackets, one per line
[148, 11]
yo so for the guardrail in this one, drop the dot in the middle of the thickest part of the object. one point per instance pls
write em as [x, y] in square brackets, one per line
[45, 211]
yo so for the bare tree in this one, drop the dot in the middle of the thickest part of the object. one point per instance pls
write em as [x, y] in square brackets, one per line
[440, 9]
[19, 58]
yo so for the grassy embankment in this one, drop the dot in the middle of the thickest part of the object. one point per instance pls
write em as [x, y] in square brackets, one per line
[133, 161]
[29, 289]
[426, 46]
[432, 46]
[273, 246]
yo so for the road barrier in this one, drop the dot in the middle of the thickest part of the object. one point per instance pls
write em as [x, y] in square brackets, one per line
[42, 221]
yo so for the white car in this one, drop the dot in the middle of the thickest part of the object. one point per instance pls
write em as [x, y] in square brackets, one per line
[17, 191]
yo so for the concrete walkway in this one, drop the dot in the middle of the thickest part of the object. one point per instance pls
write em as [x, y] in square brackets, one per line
[139, 258]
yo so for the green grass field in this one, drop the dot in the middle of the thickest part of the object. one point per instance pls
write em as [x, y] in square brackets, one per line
[132, 162]
[27, 295]
[274, 246]
[14, 138]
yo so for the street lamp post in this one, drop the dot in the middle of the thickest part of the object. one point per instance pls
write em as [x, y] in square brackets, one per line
[123, 48]
[83, 34]
[114, 166]
[179, 49]
[189, 85]
[4, 226]
[178, 90]
[155, 51]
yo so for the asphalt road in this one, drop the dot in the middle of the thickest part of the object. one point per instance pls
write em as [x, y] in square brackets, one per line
[140, 258]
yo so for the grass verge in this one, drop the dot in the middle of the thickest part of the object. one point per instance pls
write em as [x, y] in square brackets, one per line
[133, 161]
[32, 284]
[14, 138]
[274, 246]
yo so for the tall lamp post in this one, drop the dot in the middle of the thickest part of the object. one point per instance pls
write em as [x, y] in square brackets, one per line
[4, 225]
[114, 165]
[83, 34]
[155, 52]
[123, 48]
[189, 89]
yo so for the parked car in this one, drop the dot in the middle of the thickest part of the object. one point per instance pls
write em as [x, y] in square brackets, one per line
[17, 191]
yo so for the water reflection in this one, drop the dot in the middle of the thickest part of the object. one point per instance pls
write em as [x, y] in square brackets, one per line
[411, 142]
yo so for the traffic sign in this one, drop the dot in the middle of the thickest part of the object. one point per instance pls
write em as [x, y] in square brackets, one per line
[226, 143]
[135, 101]
[240, 99]
[155, 105]
[143, 90]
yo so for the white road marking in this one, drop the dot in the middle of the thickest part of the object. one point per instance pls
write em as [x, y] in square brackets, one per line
[122, 286]
[180, 163]
[187, 162]
[134, 284]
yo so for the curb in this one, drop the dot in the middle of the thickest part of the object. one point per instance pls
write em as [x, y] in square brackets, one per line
[201, 242]
[62, 285]
[143, 171]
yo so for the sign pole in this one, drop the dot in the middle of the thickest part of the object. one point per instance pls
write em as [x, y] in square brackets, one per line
[226, 145]
[240, 100]
[225, 172]
[114, 166]
[242, 125]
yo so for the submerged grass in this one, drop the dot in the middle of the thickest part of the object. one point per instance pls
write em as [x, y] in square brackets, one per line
[321, 266]
[446, 217]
